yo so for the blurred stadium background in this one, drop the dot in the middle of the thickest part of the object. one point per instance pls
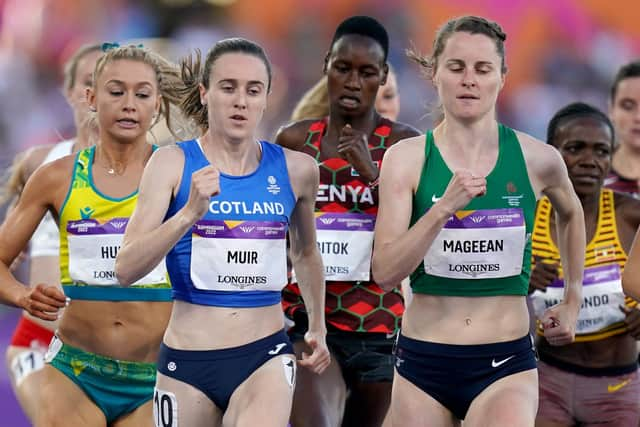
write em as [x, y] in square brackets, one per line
[558, 51]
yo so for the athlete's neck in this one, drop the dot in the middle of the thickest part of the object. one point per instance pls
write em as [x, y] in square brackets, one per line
[237, 158]
[86, 137]
[366, 123]
[626, 161]
[590, 206]
[117, 156]
[468, 142]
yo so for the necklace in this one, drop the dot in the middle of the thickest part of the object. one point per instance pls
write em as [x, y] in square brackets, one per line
[113, 171]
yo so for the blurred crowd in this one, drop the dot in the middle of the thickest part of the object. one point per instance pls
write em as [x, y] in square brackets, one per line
[558, 51]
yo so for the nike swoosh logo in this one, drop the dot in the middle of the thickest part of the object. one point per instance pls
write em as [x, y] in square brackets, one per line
[278, 348]
[616, 387]
[495, 364]
[435, 199]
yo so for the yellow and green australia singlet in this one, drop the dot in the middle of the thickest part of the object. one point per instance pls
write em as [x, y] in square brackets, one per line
[91, 229]
[600, 315]
[485, 249]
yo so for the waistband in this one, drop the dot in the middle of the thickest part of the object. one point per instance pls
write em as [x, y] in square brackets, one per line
[87, 362]
[461, 351]
[118, 293]
[228, 353]
[609, 371]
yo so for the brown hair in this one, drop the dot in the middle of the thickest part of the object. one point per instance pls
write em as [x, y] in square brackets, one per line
[314, 103]
[195, 73]
[169, 82]
[467, 24]
[627, 71]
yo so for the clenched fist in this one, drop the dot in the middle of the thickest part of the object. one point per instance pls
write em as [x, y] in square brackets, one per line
[205, 183]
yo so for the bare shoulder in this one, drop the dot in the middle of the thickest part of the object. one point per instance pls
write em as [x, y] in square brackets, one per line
[629, 207]
[165, 168]
[543, 161]
[33, 157]
[299, 164]
[51, 181]
[400, 131]
[409, 149]
[167, 154]
[533, 147]
[294, 135]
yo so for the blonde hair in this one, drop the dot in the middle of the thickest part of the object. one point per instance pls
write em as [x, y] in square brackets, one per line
[168, 78]
[314, 103]
[71, 66]
[13, 180]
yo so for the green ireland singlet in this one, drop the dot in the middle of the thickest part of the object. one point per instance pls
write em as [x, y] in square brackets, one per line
[485, 249]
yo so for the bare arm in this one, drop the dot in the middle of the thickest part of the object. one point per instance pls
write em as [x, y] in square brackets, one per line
[631, 274]
[398, 249]
[37, 197]
[305, 255]
[148, 239]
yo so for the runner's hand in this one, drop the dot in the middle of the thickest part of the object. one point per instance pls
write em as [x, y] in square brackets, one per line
[353, 146]
[43, 301]
[632, 320]
[462, 188]
[559, 324]
[205, 183]
[319, 358]
[543, 274]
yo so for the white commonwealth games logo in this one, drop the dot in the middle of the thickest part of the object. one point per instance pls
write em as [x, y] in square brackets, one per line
[273, 187]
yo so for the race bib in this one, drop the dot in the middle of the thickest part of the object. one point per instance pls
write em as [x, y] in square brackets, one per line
[93, 247]
[26, 363]
[165, 409]
[345, 241]
[479, 244]
[239, 255]
[602, 297]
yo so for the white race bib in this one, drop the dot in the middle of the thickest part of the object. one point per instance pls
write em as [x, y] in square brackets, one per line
[239, 255]
[345, 241]
[480, 244]
[93, 248]
[26, 363]
[602, 297]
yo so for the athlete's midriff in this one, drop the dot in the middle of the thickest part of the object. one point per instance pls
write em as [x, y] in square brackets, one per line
[202, 327]
[466, 320]
[619, 350]
[123, 330]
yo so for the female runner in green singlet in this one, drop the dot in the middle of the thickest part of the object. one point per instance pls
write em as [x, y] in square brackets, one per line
[456, 209]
